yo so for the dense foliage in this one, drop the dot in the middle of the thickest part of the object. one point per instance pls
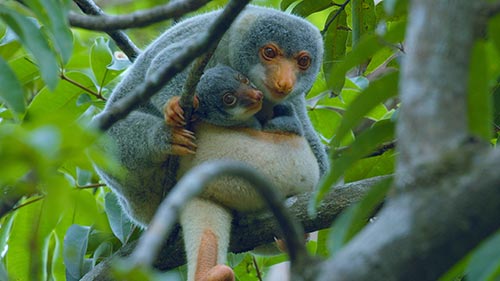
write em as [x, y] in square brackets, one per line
[57, 221]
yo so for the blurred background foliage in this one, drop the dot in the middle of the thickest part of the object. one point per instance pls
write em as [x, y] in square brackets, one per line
[57, 221]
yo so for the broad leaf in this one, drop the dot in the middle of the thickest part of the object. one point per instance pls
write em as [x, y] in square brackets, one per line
[31, 37]
[120, 223]
[335, 46]
[75, 248]
[364, 144]
[11, 91]
[484, 264]
[305, 8]
[378, 92]
[53, 16]
[479, 100]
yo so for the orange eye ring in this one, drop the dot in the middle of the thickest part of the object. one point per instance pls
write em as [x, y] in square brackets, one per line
[304, 61]
[269, 52]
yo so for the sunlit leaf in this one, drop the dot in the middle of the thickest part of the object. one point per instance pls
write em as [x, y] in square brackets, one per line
[32, 38]
[364, 144]
[374, 95]
[11, 91]
[25, 241]
[305, 8]
[62, 101]
[479, 100]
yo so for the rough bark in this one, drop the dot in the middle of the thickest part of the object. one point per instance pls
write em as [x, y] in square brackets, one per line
[433, 86]
[422, 232]
[448, 185]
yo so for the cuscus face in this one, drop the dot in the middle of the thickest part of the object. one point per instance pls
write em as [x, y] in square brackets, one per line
[227, 97]
[281, 55]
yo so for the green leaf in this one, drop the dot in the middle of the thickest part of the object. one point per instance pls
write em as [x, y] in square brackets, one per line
[392, 6]
[100, 58]
[364, 144]
[484, 264]
[3, 271]
[75, 247]
[479, 100]
[352, 220]
[286, 3]
[32, 38]
[120, 224]
[305, 8]
[378, 91]
[103, 251]
[335, 46]
[84, 177]
[25, 228]
[363, 19]
[371, 167]
[9, 44]
[62, 101]
[11, 91]
[53, 15]
[366, 48]
[494, 31]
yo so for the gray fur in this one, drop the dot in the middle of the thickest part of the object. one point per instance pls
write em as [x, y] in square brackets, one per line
[142, 138]
[214, 83]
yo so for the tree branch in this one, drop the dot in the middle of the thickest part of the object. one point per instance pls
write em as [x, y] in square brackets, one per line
[431, 82]
[120, 38]
[192, 184]
[153, 84]
[252, 230]
[422, 232]
[102, 22]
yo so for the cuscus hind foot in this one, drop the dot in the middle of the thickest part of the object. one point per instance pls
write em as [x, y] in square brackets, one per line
[220, 272]
[182, 141]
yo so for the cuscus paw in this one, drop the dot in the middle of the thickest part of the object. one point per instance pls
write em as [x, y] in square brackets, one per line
[220, 272]
[173, 112]
[183, 141]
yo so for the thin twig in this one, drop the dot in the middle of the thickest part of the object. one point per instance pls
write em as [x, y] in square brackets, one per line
[121, 39]
[28, 203]
[332, 19]
[259, 275]
[165, 73]
[74, 83]
[93, 185]
[102, 22]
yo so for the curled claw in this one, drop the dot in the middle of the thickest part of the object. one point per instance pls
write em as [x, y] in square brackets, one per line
[182, 142]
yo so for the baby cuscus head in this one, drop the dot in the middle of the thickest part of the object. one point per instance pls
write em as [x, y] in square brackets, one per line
[227, 98]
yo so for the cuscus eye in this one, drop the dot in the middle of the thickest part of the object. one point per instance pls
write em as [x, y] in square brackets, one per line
[269, 52]
[229, 99]
[304, 60]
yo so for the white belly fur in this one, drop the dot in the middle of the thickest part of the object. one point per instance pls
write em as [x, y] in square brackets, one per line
[287, 160]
